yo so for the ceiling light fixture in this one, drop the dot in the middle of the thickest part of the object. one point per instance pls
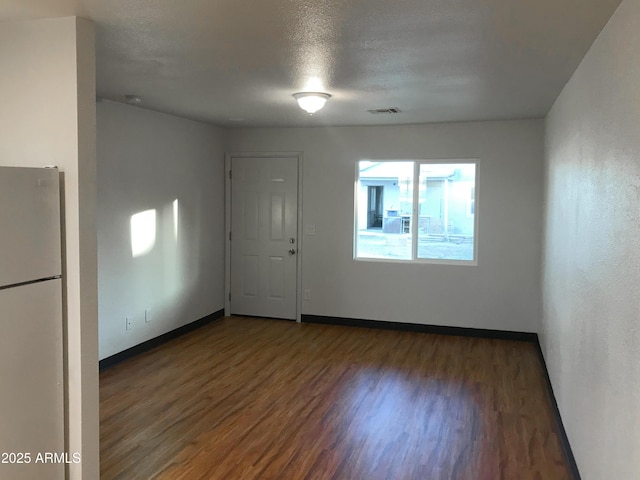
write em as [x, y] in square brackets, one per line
[311, 101]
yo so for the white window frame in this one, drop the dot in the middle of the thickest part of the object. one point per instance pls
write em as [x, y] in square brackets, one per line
[414, 215]
[471, 201]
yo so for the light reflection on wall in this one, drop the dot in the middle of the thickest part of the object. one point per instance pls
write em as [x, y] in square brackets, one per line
[158, 235]
[143, 232]
[175, 219]
[170, 271]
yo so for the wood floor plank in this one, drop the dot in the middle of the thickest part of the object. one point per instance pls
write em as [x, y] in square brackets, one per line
[246, 398]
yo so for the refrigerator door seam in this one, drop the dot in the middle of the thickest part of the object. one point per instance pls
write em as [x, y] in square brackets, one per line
[30, 282]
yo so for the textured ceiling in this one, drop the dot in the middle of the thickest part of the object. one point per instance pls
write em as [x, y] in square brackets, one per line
[436, 60]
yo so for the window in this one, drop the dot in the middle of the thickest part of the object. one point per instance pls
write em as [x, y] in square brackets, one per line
[471, 211]
[423, 211]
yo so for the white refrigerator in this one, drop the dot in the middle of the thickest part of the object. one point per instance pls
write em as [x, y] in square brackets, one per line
[32, 437]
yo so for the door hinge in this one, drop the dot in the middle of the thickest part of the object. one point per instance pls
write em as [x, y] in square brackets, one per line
[229, 296]
[229, 236]
[229, 174]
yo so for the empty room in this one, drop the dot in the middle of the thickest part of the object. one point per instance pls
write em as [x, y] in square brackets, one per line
[323, 240]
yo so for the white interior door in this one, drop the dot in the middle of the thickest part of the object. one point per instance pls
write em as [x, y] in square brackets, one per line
[264, 243]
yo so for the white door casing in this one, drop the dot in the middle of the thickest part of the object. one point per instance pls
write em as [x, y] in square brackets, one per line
[264, 241]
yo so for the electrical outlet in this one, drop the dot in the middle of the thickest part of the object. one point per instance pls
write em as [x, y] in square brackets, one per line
[147, 315]
[306, 294]
[129, 324]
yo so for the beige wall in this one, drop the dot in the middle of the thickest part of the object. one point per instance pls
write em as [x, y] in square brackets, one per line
[502, 292]
[146, 161]
[591, 308]
[47, 93]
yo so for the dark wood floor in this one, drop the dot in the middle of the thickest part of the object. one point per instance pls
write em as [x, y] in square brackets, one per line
[264, 399]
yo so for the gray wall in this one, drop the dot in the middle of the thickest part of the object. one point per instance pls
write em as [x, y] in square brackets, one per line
[591, 313]
[502, 292]
[146, 160]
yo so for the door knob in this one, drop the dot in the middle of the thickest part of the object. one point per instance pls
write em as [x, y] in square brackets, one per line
[292, 251]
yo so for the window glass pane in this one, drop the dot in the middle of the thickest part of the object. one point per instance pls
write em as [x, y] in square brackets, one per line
[446, 211]
[385, 205]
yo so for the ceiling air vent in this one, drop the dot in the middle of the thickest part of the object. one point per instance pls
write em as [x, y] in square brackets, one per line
[391, 110]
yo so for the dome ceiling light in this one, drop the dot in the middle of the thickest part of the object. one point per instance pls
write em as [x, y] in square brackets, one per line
[311, 101]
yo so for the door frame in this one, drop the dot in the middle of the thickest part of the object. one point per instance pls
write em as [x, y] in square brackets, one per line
[297, 156]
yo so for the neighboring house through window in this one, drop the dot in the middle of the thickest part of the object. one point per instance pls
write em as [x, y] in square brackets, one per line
[423, 211]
